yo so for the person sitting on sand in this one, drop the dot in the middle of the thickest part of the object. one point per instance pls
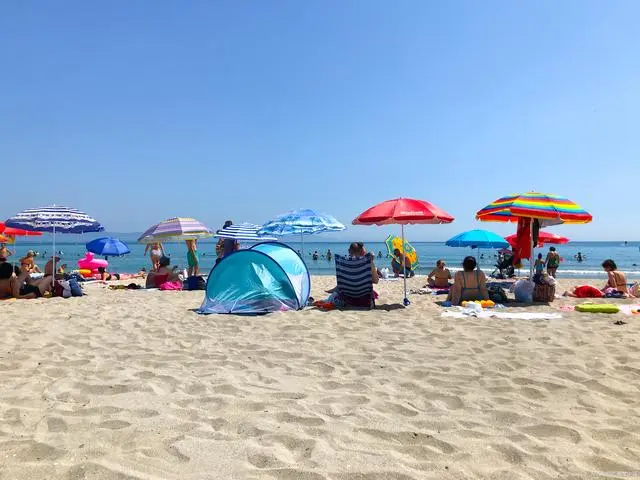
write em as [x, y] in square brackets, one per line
[28, 261]
[616, 280]
[396, 264]
[357, 250]
[468, 284]
[12, 286]
[439, 276]
[162, 274]
[5, 253]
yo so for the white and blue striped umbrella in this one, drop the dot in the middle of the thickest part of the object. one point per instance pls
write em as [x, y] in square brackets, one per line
[55, 219]
[244, 231]
[299, 222]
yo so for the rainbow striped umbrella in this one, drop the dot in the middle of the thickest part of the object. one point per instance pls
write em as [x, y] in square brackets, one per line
[549, 209]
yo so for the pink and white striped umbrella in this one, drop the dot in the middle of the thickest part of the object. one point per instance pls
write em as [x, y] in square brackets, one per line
[175, 230]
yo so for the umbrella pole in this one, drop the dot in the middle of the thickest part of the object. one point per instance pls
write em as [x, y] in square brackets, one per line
[53, 276]
[404, 269]
[533, 247]
[302, 243]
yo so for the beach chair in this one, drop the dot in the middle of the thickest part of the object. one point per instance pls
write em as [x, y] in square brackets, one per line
[353, 275]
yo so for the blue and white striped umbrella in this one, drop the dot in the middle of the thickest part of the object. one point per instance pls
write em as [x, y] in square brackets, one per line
[299, 222]
[244, 231]
[55, 219]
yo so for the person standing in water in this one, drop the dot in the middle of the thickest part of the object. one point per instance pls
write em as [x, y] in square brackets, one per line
[552, 261]
[193, 267]
[156, 252]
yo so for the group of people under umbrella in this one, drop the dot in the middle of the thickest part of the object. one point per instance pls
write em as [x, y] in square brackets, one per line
[532, 211]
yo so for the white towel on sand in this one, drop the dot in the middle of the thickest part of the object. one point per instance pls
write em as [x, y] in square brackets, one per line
[490, 313]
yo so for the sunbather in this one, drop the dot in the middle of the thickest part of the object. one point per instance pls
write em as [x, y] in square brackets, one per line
[12, 286]
[5, 253]
[439, 276]
[396, 264]
[468, 284]
[616, 280]
[28, 261]
[357, 250]
[162, 275]
[615, 287]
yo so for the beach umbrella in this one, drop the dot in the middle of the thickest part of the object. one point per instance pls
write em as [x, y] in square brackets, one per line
[107, 247]
[544, 208]
[243, 231]
[543, 237]
[174, 230]
[54, 219]
[403, 211]
[392, 242]
[477, 239]
[12, 233]
[301, 222]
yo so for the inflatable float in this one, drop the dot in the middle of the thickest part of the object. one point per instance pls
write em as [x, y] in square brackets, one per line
[89, 265]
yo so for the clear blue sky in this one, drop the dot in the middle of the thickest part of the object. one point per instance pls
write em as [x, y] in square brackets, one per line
[137, 111]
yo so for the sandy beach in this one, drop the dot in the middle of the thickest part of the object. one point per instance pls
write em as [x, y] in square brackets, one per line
[135, 385]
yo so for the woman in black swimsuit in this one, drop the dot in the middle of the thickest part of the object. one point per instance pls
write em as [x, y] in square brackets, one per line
[469, 284]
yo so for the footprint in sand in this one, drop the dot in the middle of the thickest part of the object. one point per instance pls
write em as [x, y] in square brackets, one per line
[114, 424]
[56, 425]
[547, 430]
[305, 421]
[293, 474]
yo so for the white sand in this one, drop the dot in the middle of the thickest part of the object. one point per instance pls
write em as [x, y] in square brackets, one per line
[134, 385]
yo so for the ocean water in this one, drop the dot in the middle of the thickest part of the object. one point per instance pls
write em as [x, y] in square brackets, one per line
[627, 256]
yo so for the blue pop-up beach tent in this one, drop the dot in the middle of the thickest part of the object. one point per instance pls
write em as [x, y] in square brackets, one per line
[267, 277]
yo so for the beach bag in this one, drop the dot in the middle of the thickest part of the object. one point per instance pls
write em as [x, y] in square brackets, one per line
[544, 293]
[173, 285]
[195, 283]
[497, 294]
[62, 289]
[74, 286]
[523, 291]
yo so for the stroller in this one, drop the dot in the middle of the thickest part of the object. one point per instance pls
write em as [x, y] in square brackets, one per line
[504, 267]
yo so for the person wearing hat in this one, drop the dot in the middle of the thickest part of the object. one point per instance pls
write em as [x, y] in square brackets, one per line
[28, 263]
[5, 253]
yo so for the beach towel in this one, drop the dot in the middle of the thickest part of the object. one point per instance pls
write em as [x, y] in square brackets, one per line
[459, 312]
[174, 285]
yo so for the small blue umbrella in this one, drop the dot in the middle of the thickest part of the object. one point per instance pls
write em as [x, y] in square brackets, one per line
[477, 239]
[107, 247]
[300, 222]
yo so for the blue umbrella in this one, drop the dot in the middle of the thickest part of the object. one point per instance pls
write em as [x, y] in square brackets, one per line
[477, 239]
[300, 222]
[107, 247]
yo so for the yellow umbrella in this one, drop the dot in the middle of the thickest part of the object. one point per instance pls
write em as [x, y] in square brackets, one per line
[394, 242]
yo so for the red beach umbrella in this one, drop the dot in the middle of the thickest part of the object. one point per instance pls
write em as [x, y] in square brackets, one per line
[543, 237]
[403, 211]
